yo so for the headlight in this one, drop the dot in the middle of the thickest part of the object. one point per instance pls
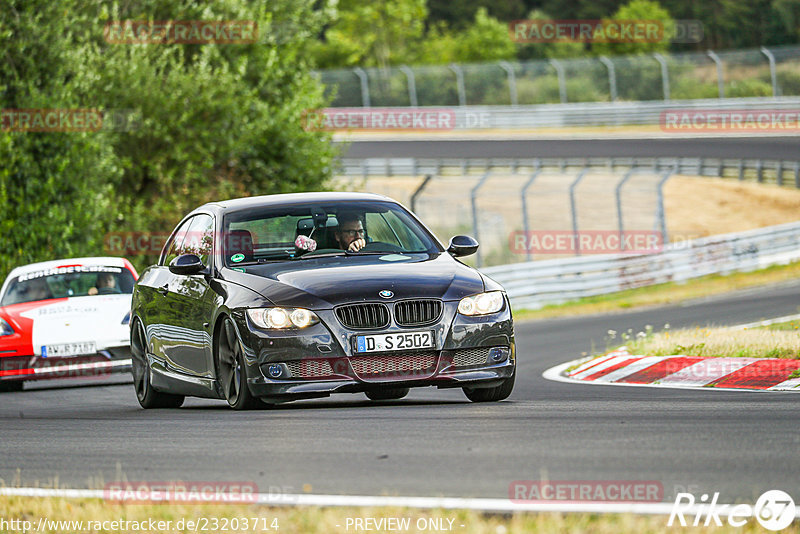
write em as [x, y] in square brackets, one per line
[282, 317]
[481, 304]
[126, 319]
[5, 328]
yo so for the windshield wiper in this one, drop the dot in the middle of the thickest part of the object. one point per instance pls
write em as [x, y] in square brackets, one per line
[311, 256]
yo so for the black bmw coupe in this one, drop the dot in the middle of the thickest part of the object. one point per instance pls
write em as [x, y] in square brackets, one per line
[270, 299]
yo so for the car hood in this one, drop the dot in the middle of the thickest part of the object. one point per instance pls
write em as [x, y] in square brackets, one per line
[326, 282]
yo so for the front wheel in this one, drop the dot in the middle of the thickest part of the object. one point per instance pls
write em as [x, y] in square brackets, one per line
[147, 396]
[387, 394]
[494, 394]
[231, 374]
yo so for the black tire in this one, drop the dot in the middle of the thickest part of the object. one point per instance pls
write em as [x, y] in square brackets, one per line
[8, 386]
[387, 394]
[147, 396]
[231, 369]
[494, 394]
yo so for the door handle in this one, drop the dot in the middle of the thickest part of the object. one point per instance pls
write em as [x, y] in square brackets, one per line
[163, 289]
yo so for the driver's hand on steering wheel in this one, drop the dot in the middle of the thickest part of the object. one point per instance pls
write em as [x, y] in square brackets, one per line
[357, 245]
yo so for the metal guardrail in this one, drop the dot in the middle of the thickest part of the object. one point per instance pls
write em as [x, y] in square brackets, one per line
[742, 73]
[625, 114]
[534, 284]
[780, 172]
[613, 113]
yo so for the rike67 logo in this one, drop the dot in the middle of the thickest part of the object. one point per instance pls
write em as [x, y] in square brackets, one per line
[774, 510]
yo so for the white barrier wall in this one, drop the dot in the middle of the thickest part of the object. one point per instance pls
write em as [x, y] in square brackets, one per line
[533, 284]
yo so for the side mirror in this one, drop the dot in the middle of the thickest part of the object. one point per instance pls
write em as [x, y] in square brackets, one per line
[186, 264]
[462, 245]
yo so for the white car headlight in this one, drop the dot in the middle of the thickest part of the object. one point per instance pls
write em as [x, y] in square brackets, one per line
[481, 304]
[282, 317]
[5, 328]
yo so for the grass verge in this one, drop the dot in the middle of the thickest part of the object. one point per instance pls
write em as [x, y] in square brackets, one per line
[662, 294]
[762, 342]
[92, 513]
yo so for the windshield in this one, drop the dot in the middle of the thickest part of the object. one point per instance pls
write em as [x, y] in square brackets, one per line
[319, 229]
[74, 281]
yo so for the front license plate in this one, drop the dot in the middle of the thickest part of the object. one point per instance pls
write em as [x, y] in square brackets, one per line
[69, 349]
[397, 341]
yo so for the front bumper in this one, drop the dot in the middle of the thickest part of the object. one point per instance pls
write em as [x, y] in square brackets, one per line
[105, 362]
[320, 360]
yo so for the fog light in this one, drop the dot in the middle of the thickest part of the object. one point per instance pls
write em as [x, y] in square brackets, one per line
[498, 354]
[275, 370]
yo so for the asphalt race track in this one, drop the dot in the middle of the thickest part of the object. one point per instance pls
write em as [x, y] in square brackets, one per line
[433, 442]
[763, 147]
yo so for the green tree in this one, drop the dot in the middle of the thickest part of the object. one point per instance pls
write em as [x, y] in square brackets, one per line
[55, 187]
[379, 33]
[640, 10]
[214, 121]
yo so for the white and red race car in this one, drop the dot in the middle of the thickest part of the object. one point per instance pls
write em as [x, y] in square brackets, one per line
[65, 318]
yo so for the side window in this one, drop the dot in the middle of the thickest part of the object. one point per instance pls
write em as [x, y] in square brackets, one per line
[200, 237]
[176, 242]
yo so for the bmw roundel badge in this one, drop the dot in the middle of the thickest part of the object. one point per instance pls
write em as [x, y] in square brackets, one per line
[386, 294]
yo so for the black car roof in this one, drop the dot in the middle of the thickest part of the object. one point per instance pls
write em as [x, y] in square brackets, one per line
[236, 204]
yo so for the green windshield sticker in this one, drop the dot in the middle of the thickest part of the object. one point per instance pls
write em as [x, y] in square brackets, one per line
[240, 269]
[394, 257]
[236, 258]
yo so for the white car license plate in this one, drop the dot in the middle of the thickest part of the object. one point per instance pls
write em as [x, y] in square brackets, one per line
[69, 349]
[397, 341]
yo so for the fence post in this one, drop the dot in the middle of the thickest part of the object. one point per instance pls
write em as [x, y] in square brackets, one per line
[462, 93]
[562, 82]
[365, 103]
[474, 201]
[618, 195]
[720, 78]
[664, 74]
[612, 77]
[779, 173]
[512, 81]
[662, 218]
[797, 175]
[741, 170]
[412, 85]
[573, 211]
[772, 72]
[759, 171]
[536, 171]
[418, 191]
